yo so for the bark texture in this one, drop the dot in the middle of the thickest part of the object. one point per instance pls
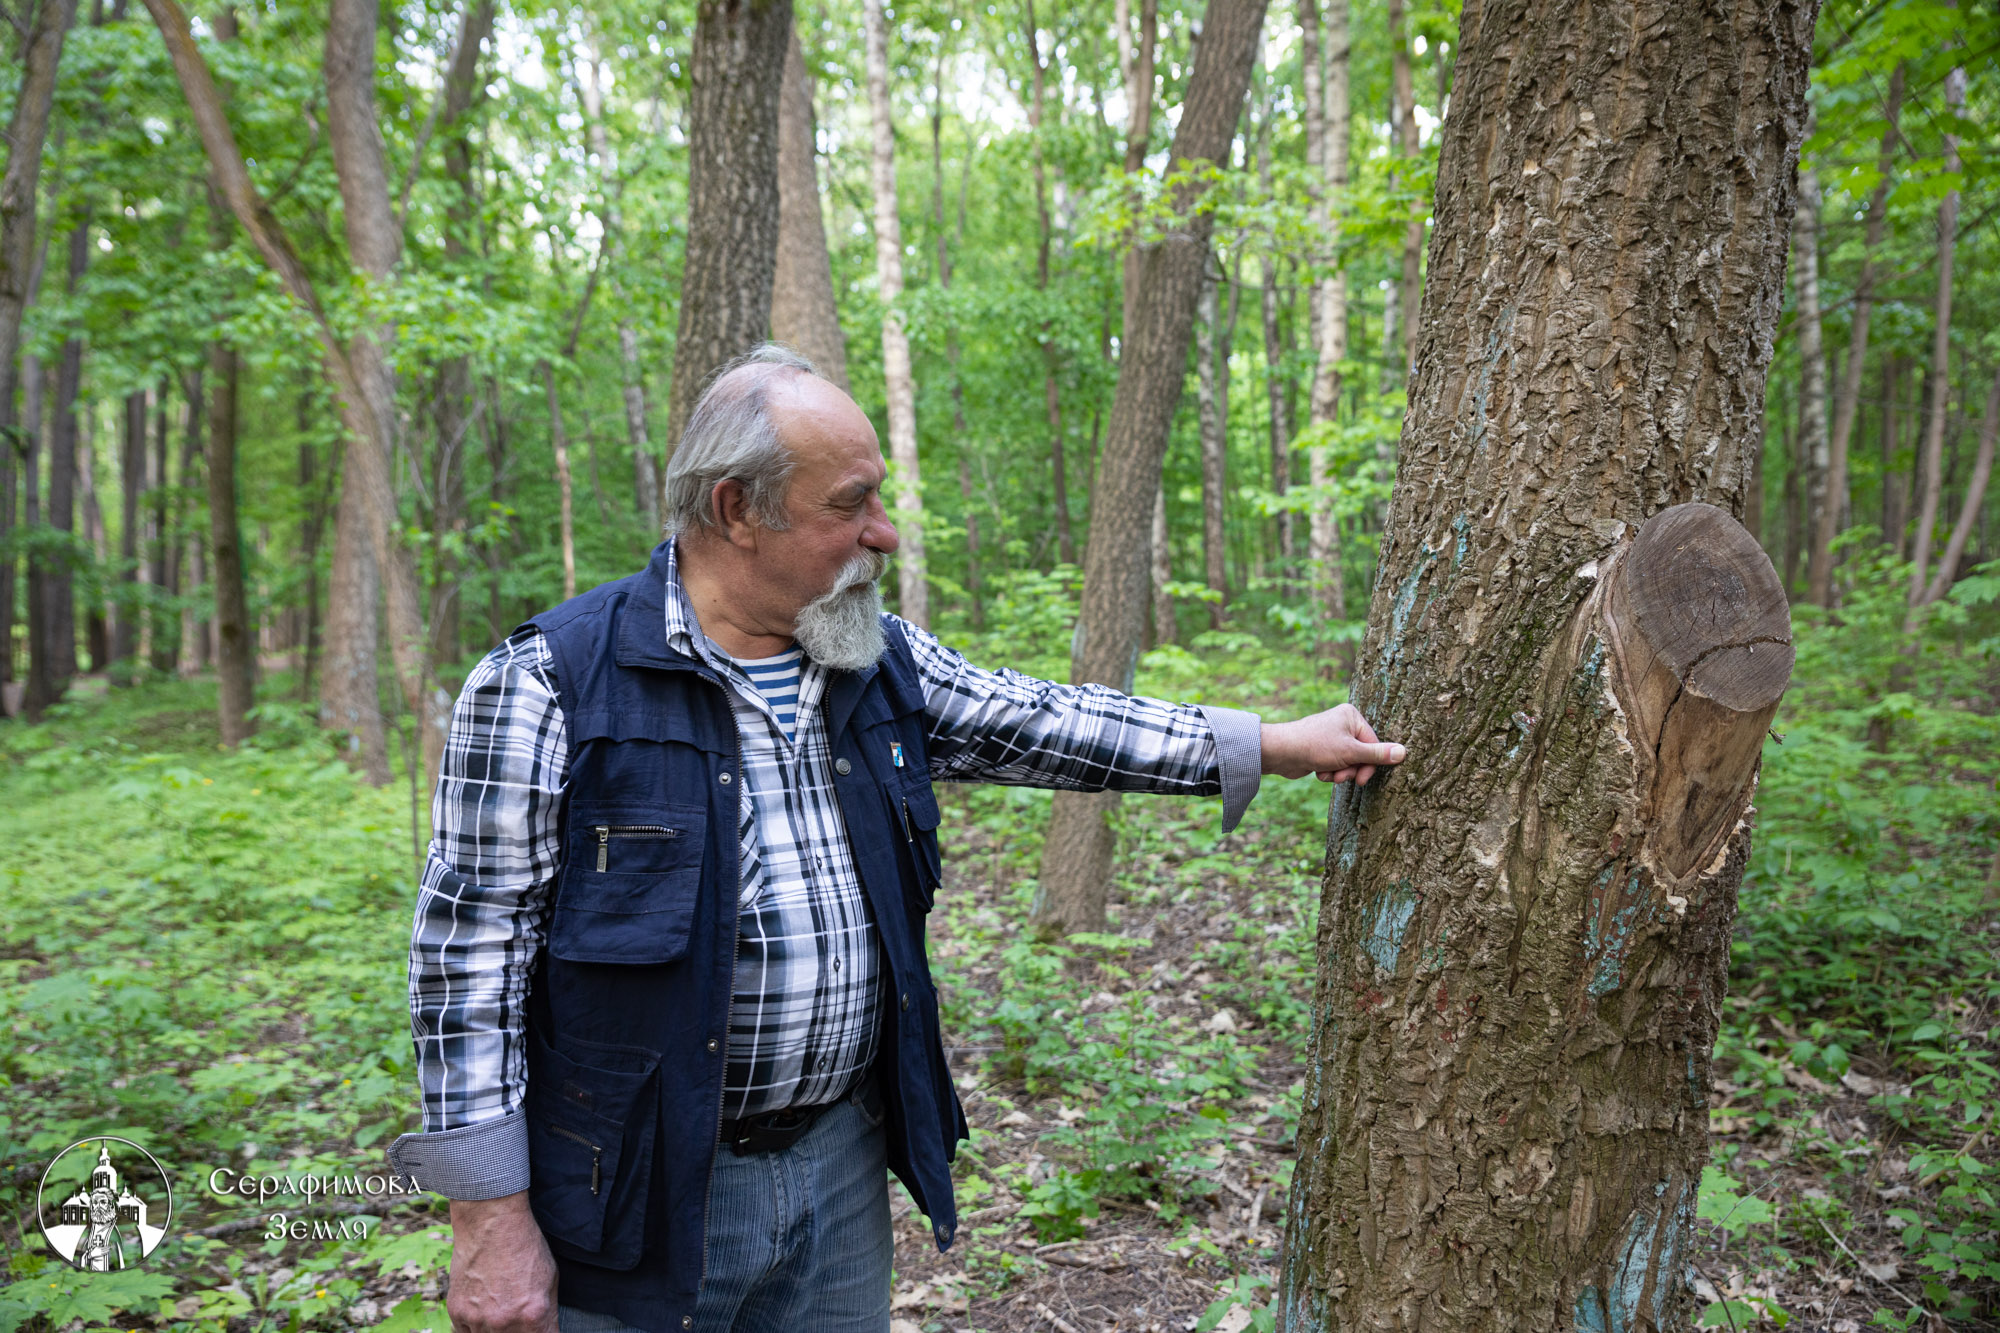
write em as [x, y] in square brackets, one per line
[1330, 294]
[732, 239]
[27, 134]
[1076, 859]
[912, 588]
[804, 315]
[1524, 929]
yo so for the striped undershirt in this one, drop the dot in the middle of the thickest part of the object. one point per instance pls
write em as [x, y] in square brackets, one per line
[777, 680]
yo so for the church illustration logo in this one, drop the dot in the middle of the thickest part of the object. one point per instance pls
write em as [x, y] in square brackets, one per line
[105, 1204]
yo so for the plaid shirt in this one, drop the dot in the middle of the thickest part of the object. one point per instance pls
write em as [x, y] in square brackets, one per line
[804, 1022]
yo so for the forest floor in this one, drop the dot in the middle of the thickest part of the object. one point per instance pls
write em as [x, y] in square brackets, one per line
[205, 951]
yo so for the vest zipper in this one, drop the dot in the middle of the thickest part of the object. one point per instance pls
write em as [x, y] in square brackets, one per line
[638, 832]
[596, 1155]
[735, 904]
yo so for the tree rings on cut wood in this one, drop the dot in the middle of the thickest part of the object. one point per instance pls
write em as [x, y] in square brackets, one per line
[1702, 636]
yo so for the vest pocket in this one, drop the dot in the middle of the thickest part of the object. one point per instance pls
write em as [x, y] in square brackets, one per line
[631, 875]
[915, 825]
[590, 1147]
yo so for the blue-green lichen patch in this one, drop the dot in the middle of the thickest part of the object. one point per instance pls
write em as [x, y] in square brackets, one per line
[1387, 923]
[1616, 914]
[1644, 1277]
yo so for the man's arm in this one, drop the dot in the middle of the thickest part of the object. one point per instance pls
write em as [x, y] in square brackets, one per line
[479, 921]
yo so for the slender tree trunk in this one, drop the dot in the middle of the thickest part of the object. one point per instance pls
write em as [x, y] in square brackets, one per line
[1165, 627]
[1819, 569]
[1524, 930]
[960, 432]
[1819, 500]
[732, 225]
[1975, 496]
[35, 383]
[804, 314]
[27, 134]
[1931, 463]
[1051, 360]
[1403, 116]
[1076, 859]
[1895, 499]
[559, 441]
[52, 639]
[96, 629]
[163, 621]
[235, 648]
[312, 522]
[126, 614]
[912, 589]
[1136, 60]
[1278, 403]
[1212, 395]
[1330, 294]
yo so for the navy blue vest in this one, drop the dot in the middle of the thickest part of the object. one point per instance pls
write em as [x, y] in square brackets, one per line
[629, 1006]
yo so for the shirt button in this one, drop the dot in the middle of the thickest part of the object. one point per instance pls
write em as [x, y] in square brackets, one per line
[711, 1045]
[724, 779]
[836, 964]
[842, 767]
[687, 1321]
[823, 1063]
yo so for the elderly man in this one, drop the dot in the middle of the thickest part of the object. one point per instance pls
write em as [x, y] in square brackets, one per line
[673, 1019]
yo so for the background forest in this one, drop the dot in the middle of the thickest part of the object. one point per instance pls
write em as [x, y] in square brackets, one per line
[205, 704]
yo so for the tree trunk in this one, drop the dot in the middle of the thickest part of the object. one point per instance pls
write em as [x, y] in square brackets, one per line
[126, 614]
[463, 91]
[235, 650]
[1930, 464]
[1403, 104]
[1136, 61]
[1076, 859]
[1975, 496]
[912, 590]
[52, 639]
[1212, 395]
[1331, 296]
[1812, 446]
[804, 314]
[960, 432]
[1524, 930]
[163, 620]
[559, 441]
[96, 629]
[1895, 499]
[1278, 403]
[1819, 569]
[1051, 389]
[27, 133]
[732, 224]
[1165, 628]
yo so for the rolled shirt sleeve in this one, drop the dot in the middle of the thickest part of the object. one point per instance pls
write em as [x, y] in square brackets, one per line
[1005, 727]
[480, 916]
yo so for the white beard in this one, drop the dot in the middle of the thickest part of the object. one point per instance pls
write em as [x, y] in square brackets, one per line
[842, 628]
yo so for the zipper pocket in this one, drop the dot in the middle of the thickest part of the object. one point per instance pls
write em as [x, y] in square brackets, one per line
[640, 832]
[596, 1154]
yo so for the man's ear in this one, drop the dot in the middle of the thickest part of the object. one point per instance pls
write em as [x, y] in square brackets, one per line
[732, 507]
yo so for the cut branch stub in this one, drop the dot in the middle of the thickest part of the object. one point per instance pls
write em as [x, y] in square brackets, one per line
[1702, 636]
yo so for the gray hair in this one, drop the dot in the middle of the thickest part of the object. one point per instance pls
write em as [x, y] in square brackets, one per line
[731, 436]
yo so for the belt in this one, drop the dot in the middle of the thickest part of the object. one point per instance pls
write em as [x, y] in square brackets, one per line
[775, 1131]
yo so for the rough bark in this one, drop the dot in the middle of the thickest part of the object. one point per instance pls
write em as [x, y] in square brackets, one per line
[1930, 464]
[1812, 443]
[1076, 859]
[1212, 396]
[732, 225]
[27, 134]
[1975, 496]
[804, 314]
[1819, 568]
[912, 589]
[1524, 929]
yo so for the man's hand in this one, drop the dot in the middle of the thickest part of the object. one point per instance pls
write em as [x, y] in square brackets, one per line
[1337, 745]
[503, 1279]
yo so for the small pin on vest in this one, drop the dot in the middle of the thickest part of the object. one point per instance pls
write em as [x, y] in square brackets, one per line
[896, 752]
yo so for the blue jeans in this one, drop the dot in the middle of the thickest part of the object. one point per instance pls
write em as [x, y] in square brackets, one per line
[797, 1240]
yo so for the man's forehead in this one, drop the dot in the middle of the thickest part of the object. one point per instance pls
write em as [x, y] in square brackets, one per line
[825, 431]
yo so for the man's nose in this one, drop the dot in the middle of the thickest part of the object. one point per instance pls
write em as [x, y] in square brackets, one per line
[880, 534]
